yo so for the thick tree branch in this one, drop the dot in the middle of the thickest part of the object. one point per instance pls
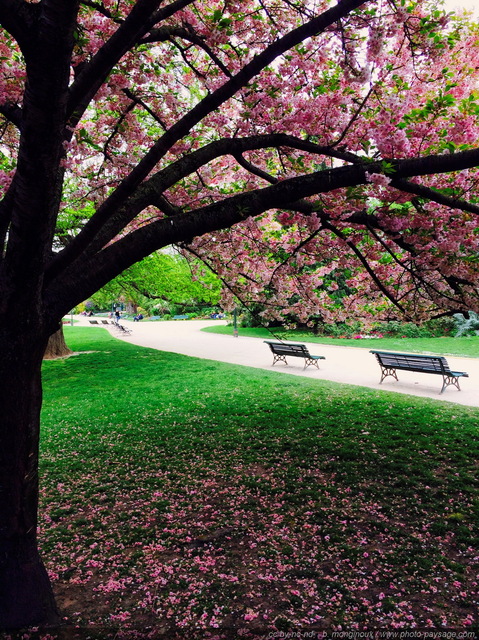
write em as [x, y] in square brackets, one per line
[429, 165]
[431, 194]
[403, 169]
[107, 263]
[143, 16]
[95, 235]
[104, 225]
[98, 269]
[12, 112]
[17, 17]
[206, 106]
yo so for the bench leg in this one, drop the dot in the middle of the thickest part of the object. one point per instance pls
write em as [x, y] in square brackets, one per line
[387, 371]
[308, 361]
[277, 358]
[448, 380]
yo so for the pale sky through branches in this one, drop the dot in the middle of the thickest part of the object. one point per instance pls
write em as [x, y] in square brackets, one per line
[454, 5]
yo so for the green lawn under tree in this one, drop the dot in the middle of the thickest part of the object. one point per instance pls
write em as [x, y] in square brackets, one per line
[184, 496]
[467, 346]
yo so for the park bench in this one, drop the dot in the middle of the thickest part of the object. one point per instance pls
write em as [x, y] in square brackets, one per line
[119, 327]
[183, 317]
[122, 329]
[390, 362]
[114, 324]
[282, 349]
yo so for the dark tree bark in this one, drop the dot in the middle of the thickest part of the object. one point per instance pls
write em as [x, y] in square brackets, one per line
[26, 597]
[46, 34]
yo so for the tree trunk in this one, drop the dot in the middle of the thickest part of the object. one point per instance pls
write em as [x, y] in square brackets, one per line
[131, 307]
[26, 596]
[57, 347]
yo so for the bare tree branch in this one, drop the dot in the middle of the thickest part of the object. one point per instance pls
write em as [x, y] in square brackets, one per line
[12, 112]
[169, 33]
[98, 6]
[143, 16]
[377, 281]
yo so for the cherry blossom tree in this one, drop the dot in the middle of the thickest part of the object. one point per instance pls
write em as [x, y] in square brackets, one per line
[320, 157]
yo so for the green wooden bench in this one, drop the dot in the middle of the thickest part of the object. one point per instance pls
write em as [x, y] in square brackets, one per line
[390, 362]
[282, 349]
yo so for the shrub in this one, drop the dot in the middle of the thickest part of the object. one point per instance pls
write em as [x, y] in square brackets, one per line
[466, 326]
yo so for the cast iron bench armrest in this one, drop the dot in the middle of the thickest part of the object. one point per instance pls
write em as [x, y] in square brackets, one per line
[282, 349]
[390, 362]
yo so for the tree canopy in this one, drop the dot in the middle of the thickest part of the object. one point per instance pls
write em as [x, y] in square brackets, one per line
[321, 158]
[298, 148]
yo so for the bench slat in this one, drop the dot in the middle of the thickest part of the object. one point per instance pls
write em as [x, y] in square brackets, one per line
[282, 349]
[390, 362]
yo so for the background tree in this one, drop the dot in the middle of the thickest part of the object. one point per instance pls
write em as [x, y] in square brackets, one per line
[279, 141]
[165, 281]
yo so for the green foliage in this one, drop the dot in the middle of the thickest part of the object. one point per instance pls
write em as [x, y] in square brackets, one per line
[394, 329]
[467, 326]
[163, 283]
[430, 329]
[462, 347]
[251, 317]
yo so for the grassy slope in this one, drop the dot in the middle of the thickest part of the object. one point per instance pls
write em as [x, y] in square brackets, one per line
[185, 494]
[464, 347]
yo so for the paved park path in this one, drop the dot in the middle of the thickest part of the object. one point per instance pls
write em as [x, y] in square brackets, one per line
[349, 365]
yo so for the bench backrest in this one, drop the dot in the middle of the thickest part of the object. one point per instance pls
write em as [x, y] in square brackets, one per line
[412, 361]
[290, 349]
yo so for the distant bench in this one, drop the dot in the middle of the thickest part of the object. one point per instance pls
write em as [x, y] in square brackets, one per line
[281, 349]
[438, 365]
[183, 317]
[116, 325]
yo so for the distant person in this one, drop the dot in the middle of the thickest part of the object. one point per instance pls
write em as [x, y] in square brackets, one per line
[117, 317]
[138, 317]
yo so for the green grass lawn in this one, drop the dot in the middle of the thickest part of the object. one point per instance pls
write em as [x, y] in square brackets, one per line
[463, 347]
[184, 496]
